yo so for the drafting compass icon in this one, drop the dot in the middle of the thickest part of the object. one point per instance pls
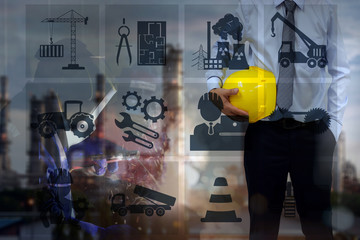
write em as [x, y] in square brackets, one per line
[123, 32]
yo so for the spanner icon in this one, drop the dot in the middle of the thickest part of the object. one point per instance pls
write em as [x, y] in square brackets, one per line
[128, 122]
[132, 138]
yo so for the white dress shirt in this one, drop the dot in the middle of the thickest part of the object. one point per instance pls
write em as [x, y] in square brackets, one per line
[316, 87]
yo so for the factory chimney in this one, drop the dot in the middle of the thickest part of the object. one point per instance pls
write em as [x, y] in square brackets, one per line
[172, 93]
[99, 96]
[36, 167]
[4, 117]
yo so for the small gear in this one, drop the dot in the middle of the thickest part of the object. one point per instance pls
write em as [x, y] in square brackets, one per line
[321, 119]
[47, 128]
[153, 99]
[125, 98]
[81, 205]
[82, 124]
[280, 113]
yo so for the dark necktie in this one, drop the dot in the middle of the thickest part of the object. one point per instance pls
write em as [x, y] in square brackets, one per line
[287, 74]
[211, 129]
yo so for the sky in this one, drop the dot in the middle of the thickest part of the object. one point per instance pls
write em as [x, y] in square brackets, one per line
[17, 35]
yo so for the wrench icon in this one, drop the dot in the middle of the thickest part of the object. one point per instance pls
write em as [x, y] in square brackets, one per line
[132, 138]
[128, 122]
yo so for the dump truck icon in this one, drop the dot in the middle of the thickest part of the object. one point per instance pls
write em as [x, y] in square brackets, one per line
[118, 202]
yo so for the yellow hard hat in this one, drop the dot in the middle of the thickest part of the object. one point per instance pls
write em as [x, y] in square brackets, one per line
[257, 92]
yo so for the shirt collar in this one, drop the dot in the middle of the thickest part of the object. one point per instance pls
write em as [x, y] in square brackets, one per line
[299, 3]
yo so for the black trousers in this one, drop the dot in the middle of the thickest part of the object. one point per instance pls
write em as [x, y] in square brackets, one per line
[271, 152]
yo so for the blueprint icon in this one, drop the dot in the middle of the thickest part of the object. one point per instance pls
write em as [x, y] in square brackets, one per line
[151, 43]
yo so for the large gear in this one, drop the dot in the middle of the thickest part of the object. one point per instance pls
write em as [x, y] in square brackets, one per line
[47, 128]
[153, 99]
[82, 124]
[125, 98]
[320, 117]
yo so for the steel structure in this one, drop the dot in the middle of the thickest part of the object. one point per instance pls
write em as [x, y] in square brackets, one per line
[74, 17]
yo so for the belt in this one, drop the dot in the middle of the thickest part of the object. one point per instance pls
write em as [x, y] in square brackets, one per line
[290, 123]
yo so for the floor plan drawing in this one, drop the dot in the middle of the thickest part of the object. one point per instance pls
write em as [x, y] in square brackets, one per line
[151, 43]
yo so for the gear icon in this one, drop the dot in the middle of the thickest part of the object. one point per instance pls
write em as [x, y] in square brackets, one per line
[280, 113]
[320, 117]
[153, 99]
[47, 128]
[134, 106]
[82, 124]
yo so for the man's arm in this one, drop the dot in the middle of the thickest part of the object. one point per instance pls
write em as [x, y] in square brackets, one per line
[339, 69]
[215, 82]
[216, 77]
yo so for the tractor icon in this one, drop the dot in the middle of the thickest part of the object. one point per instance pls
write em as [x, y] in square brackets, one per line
[78, 126]
[82, 124]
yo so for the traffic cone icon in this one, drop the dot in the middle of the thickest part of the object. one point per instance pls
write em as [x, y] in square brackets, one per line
[220, 216]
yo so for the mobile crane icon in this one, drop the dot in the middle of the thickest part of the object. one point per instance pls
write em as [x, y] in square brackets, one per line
[315, 56]
[118, 202]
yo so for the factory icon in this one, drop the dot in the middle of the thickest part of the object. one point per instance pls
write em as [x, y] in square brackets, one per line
[229, 25]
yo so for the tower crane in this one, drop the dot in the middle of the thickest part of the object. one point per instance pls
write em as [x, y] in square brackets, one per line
[315, 56]
[74, 17]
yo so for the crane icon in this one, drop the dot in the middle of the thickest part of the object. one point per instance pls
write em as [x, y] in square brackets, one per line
[52, 50]
[315, 56]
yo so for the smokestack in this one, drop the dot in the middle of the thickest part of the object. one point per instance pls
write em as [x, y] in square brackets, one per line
[4, 142]
[99, 96]
[173, 96]
[100, 87]
[8, 178]
[4, 82]
[208, 40]
[36, 167]
[51, 104]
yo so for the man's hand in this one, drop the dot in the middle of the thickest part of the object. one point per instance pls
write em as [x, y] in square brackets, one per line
[229, 109]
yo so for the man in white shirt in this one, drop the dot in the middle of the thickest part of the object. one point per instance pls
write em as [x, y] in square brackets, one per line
[275, 148]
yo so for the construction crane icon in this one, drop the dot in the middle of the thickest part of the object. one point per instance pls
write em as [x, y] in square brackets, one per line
[53, 50]
[315, 56]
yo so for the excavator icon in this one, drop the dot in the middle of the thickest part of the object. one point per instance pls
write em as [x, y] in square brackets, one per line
[315, 56]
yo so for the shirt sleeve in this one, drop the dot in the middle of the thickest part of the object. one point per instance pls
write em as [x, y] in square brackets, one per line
[339, 70]
[215, 77]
